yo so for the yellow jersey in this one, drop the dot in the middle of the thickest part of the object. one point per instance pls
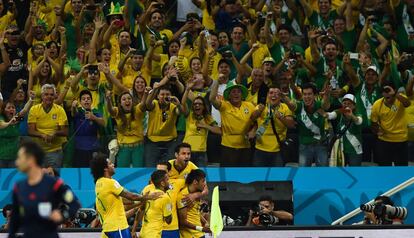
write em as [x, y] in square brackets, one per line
[193, 216]
[155, 213]
[235, 123]
[133, 132]
[175, 188]
[48, 123]
[162, 124]
[409, 114]
[174, 174]
[6, 20]
[260, 54]
[267, 142]
[129, 75]
[207, 21]
[197, 137]
[109, 205]
[392, 120]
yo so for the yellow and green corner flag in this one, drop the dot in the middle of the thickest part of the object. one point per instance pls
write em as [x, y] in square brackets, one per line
[216, 220]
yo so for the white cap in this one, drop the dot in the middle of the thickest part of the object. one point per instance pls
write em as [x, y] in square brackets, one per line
[373, 67]
[349, 97]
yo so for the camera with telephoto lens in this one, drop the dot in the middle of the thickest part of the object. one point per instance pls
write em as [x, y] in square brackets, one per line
[293, 58]
[385, 213]
[261, 218]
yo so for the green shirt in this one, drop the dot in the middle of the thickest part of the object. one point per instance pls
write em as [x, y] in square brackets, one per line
[317, 20]
[278, 51]
[9, 141]
[365, 100]
[322, 68]
[402, 35]
[352, 138]
[349, 38]
[311, 126]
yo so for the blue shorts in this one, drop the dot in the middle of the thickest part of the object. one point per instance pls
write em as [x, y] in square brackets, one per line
[170, 234]
[119, 234]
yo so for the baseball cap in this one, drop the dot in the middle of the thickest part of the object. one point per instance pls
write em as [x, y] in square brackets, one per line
[374, 68]
[349, 97]
[269, 59]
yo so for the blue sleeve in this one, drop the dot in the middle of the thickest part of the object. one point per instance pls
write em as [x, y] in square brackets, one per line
[15, 216]
[67, 197]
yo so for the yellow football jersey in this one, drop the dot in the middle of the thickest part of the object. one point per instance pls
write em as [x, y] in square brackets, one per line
[235, 123]
[174, 174]
[109, 205]
[162, 124]
[392, 120]
[193, 216]
[155, 213]
[48, 123]
[132, 133]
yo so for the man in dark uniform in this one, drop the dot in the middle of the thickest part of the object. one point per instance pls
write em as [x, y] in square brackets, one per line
[36, 199]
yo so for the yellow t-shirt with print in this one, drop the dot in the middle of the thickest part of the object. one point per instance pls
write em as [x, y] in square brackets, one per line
[409, 114]
[129, 75]
[235, 123]
[174, 174]
[193, 216]
[267, 142]
[260, 54]
[208, 21]
[133, 132]
[48, 123]
[195, 136]
[155, 213]
[213, 66]
[392, 120]
[160, 129]
[6, 20]
[109, 205]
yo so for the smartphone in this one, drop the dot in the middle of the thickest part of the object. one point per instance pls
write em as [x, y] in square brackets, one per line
[354, 56]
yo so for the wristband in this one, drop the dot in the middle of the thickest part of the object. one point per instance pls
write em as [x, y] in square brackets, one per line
[199, 228]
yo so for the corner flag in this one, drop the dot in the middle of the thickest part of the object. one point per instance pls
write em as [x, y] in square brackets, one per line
[216, 220]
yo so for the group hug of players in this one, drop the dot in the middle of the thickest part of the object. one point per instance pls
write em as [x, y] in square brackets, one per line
[168, 207]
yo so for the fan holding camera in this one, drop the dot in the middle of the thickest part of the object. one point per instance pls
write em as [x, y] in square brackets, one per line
[389, 123]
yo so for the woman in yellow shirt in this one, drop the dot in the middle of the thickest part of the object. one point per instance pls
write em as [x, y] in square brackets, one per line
[130, 133]
[198, 123]
[7, 14]
[41, 75]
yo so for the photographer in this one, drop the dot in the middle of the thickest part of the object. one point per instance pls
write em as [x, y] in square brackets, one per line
[383, 211]
[265, 214]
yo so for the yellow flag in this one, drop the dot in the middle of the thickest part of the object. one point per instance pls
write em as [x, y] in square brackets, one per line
[216, 220]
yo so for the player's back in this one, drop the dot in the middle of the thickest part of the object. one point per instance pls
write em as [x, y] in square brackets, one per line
[33, 205]
[109, 205]
[155, 212]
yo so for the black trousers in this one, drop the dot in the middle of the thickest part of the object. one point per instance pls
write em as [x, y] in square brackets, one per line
[389, 152]
[231, 157]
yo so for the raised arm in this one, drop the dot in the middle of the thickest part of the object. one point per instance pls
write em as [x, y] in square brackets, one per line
[75, 82]
[349, 70]
[313, 35]
[213, 94]
[4, 55]
[307, 9]
[93, 46]
[112, 111]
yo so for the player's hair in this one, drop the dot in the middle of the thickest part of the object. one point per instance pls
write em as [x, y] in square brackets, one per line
[98, 165]
[182, 145]
[195, 174]
[166, 163]
[157, 176]
[34, 149]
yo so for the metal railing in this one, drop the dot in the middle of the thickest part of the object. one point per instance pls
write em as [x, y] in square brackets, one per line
[389, 193]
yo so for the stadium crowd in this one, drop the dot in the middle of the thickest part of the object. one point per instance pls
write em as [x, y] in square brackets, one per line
[245, 83]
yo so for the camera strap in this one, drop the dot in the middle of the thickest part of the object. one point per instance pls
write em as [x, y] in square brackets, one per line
[272, 122]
